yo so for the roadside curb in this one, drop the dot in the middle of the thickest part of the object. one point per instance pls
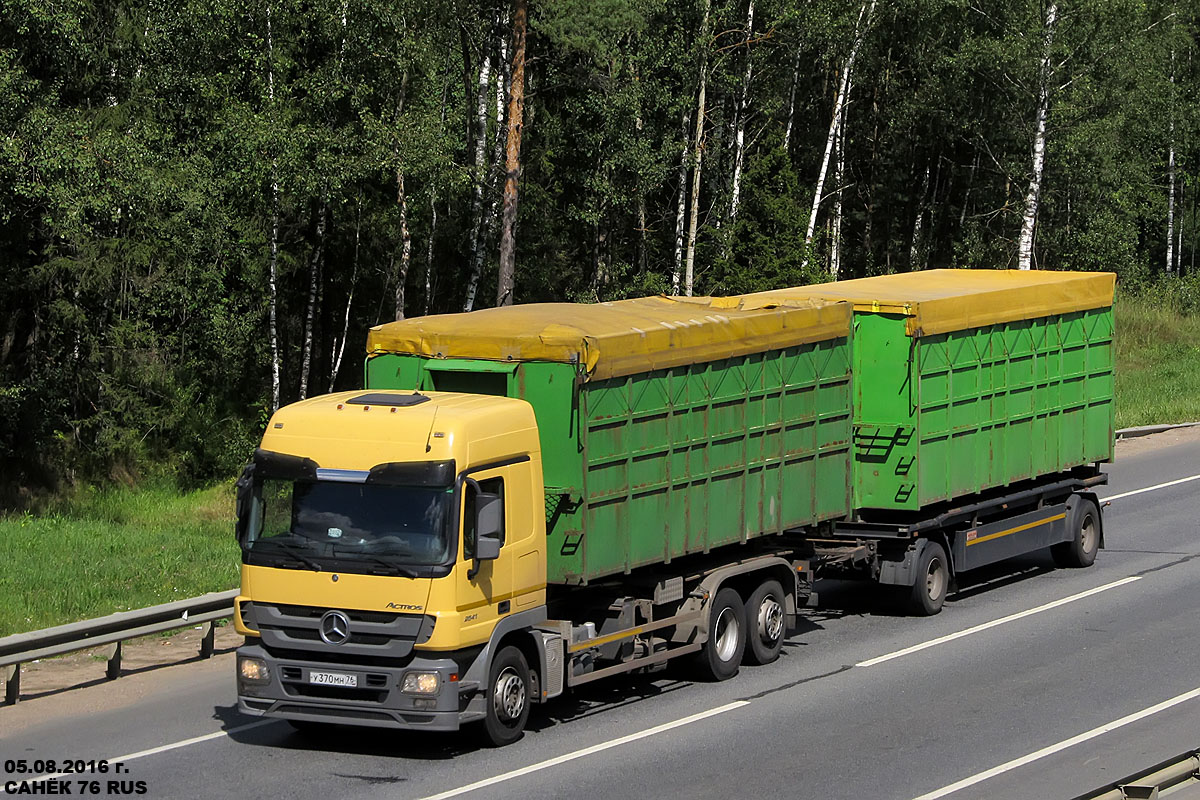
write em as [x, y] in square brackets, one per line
[1146, 430]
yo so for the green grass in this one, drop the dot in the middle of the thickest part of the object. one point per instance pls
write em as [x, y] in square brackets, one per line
[1158, 364]
[113, 550]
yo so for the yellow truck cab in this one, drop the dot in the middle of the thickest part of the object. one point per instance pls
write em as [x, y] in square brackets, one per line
[347, 493]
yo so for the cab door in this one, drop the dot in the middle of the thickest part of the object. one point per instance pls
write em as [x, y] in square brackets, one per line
[484, 594]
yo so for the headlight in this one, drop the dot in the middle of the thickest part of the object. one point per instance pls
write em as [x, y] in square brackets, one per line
[254, 670]
[420, 683]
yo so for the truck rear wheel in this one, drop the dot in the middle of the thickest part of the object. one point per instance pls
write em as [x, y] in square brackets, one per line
[508, 698]
[722, 653]
[765, 623]
[932, 581]
[1081, 550]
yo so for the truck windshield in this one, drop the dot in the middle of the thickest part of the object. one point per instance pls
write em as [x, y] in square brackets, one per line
[324, 524]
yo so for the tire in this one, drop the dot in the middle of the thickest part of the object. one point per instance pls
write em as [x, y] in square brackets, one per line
[766, 623]
[722, 654]
[932, 581]
[508, 698]
[1081, 550]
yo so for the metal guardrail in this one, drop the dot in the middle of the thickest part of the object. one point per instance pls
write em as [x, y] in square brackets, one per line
[1180, 775]
[111, 630]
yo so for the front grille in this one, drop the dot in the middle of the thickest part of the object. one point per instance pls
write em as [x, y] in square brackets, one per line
[316, 612]
[373, 634]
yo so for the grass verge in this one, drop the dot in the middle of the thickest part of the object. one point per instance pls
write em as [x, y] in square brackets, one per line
[112, 550]
[1158, 364]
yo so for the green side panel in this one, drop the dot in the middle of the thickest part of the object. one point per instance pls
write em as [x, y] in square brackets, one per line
[969, 410]
[683, 460]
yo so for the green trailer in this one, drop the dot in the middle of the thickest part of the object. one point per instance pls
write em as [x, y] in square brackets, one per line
[983, 407]
[973, 379]
[667, 429]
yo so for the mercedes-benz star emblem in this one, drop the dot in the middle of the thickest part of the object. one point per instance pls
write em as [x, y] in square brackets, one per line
[335, 627]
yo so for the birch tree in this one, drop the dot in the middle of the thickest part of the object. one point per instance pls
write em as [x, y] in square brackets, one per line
[697, 155]
[1038, 158]
[860, 31]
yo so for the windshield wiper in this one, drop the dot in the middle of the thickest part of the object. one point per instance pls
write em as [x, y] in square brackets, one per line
[383, 566]
[294, 551]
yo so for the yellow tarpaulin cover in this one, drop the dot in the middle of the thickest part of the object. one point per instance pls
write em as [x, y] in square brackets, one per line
[618, 338]
[943, 300]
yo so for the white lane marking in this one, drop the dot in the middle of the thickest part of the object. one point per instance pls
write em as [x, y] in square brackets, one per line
[587, 751]
[1063, 745]
[870, 662]
[1150, 488]
[161, 749]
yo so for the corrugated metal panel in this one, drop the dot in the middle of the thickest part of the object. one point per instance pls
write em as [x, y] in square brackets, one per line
[952, 414]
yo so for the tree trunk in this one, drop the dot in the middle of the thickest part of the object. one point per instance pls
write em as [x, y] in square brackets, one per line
[962, 215]
[402, 202]
[339, 348]
[314, 282]
[787, 132]
[697, 156]
[739, 136]
[839, 175]
[917, 246]
[1034, 193]
[516, 110]
[273, 258]
[481, 170]
[864, 22]
[677, 272]
[639, 256]
[1171, 174]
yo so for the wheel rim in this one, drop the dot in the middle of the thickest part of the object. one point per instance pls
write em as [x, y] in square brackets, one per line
[1087, 534]
[727, 634]
[770, 619]
[508, 697]
[935, 579]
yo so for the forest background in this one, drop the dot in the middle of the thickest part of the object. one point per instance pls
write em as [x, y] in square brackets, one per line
[205, 204]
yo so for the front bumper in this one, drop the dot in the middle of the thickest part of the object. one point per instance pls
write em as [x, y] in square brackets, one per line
[377, 701]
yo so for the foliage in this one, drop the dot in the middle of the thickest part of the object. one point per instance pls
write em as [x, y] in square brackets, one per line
[156, 154]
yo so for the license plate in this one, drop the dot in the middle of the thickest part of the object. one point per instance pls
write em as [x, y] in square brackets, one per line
[333, 678]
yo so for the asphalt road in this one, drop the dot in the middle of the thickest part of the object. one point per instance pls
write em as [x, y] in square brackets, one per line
[1032, 681]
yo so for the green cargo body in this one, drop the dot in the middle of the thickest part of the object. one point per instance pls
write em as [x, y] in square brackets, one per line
[943, 415]
[644, 468]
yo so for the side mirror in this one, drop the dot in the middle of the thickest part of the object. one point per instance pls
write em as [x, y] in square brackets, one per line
[245, 497]
[489, 526]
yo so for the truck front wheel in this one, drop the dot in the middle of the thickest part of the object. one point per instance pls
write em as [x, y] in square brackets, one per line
[932, 581]
[722, 653]
[508, 698]
[765, 623]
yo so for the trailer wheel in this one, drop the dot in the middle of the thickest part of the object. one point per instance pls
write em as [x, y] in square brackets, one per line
[508, 698]
[1081, 550]
[765, 623]
[932, 581]
[722, 653]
